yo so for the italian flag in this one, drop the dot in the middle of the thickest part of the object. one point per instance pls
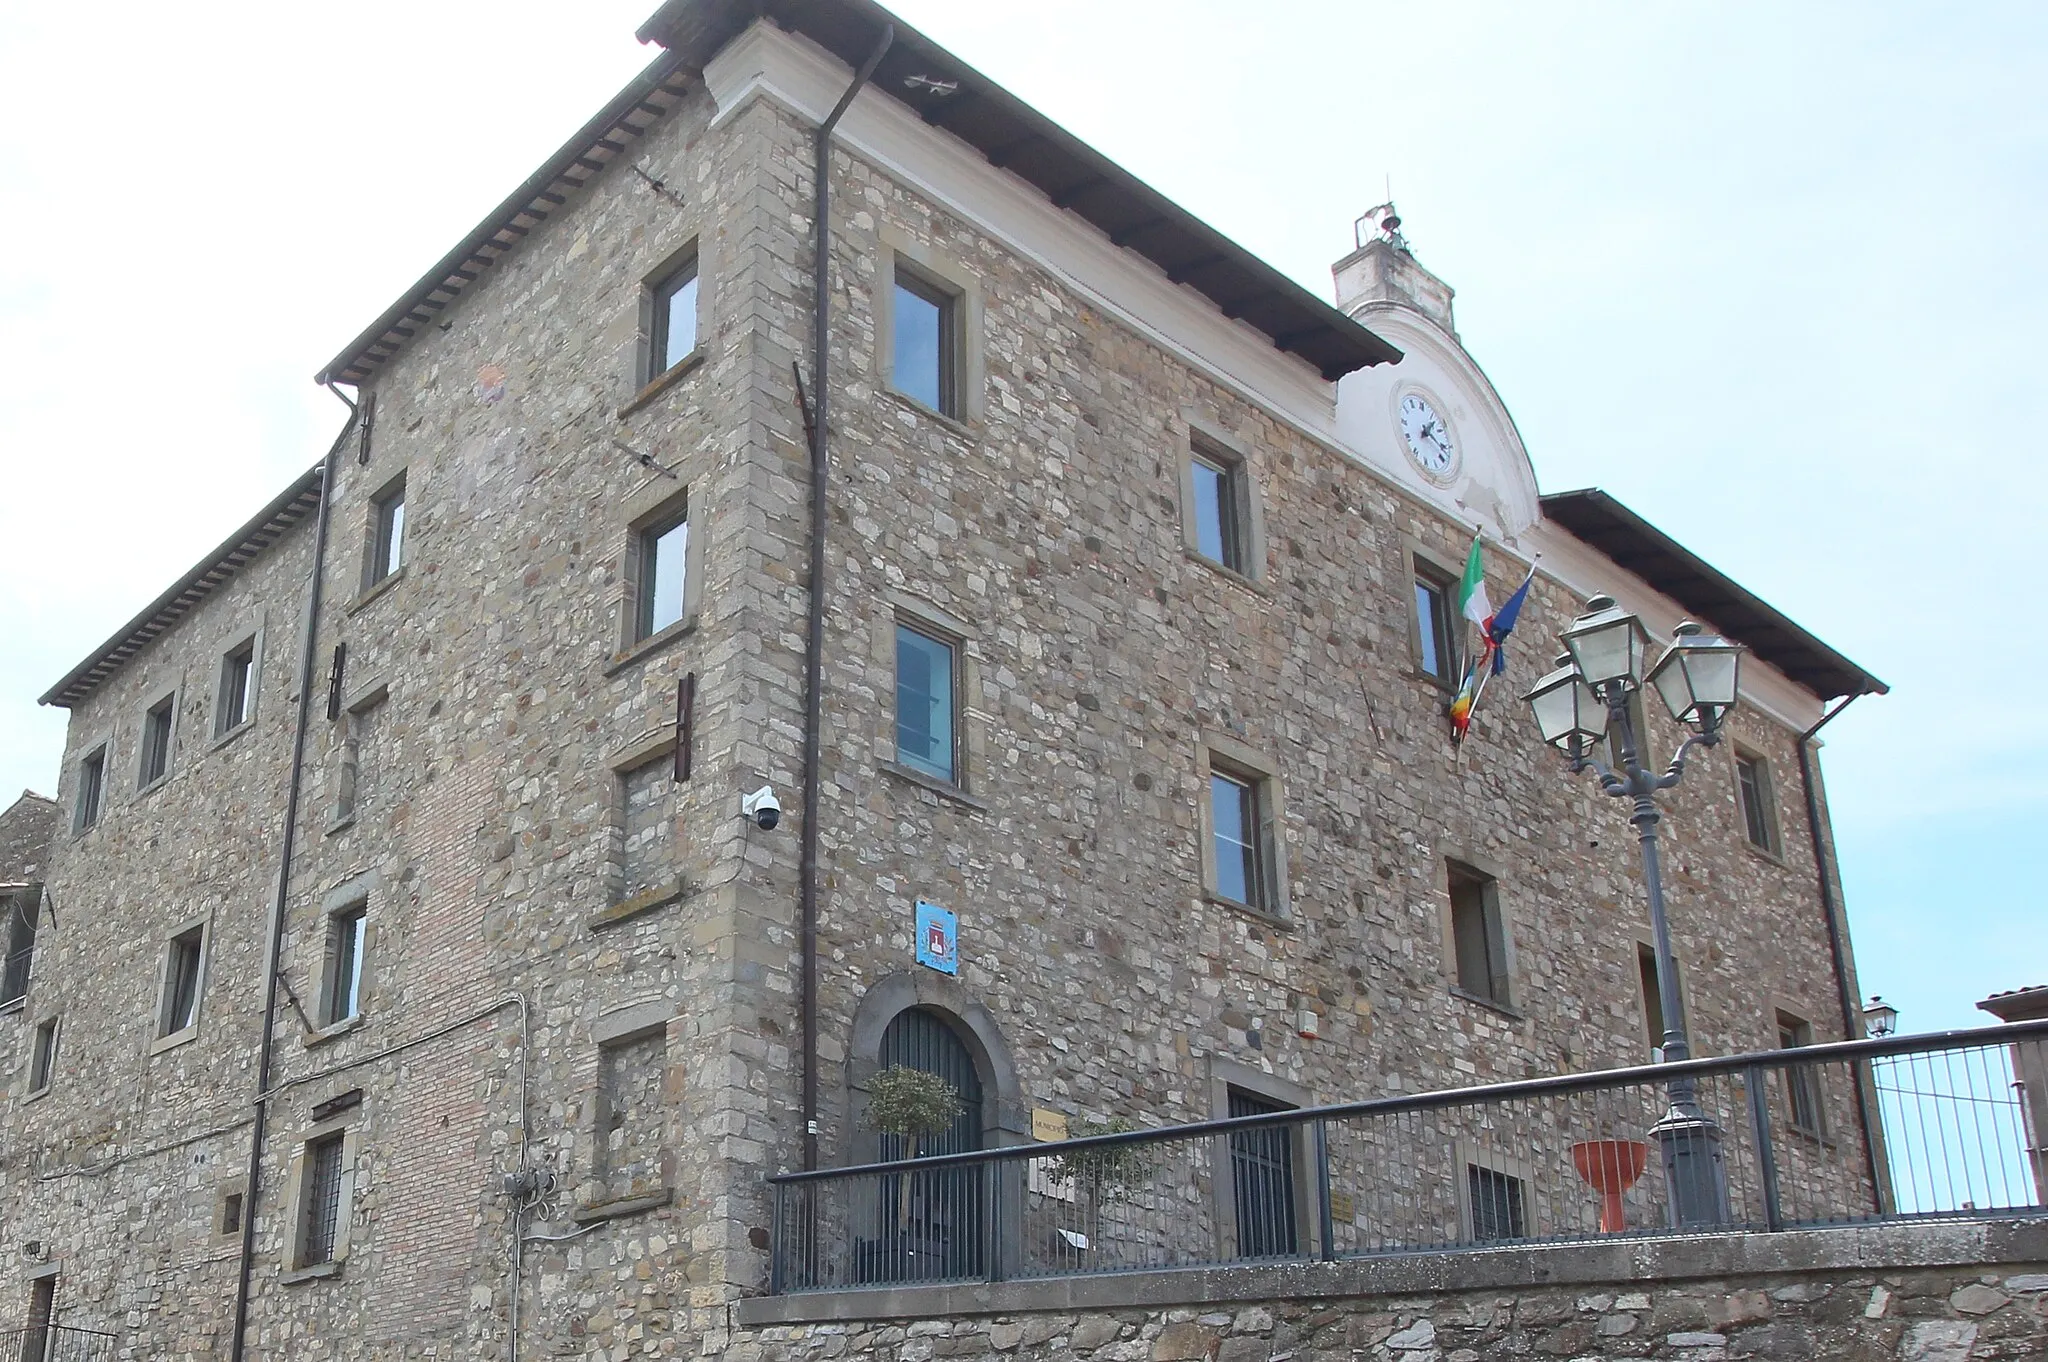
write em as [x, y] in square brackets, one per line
[1472, 602]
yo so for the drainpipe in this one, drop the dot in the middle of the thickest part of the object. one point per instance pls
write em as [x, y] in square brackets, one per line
[1837, 951]
[814, 635]
[284, 879]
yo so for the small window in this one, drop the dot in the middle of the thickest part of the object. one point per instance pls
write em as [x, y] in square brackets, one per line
[1436, 641]
[1653, 998]
[183, 966]
[925, 328]
[231, 1213]
[1802, 1081]
[1753, 790]
[1243, 848]
[387, 533]
[43, 1056]
[156, 740]
[320, 1200]
[341, 991]
[92, 784]
[1499, 1204]
[924, 704]
[663, 550]
[1219, 509]
[674, 333]
[1477, 935]
[19, 916]
[237, 688]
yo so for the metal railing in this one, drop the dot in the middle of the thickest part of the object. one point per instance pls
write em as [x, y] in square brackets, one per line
[1847, 1133]
[55, 1343]
[14, 977]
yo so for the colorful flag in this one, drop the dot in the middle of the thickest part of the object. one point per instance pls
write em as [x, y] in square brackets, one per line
[1503, 623]
[1491, 659]
[1472, 602]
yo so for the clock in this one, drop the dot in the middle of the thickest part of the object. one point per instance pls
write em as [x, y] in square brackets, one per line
[1428, 438]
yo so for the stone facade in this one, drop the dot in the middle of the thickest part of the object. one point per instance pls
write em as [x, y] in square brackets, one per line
[573, 963]
[27, 829]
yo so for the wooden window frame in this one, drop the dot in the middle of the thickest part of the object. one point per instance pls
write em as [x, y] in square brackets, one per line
[42, 1063]
[955, 647]
[89, 800]
[200, 930]
[677, 273]
[1244, 765]
[390, 528]
[1495, 940]
[1765, 810]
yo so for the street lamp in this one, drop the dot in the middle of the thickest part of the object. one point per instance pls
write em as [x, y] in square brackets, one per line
[1575, 706]
[1880, 1018]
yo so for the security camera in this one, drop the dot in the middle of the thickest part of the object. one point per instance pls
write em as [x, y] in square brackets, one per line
[762, 807]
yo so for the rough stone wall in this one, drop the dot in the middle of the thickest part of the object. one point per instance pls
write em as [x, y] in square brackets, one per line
[27, 830]
[490, 817]
[1933, 1315]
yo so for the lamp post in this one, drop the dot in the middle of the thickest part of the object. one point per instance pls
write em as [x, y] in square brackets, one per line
[1575, 706]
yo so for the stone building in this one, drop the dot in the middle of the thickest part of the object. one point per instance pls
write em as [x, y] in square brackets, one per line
[414, 811]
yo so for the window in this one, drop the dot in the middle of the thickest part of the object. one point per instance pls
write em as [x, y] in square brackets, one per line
[924, 704]
[925, 334]
[43, 1056]
[1498, 1201]
[1753, 792]
[1478, 939]
[92, 784]
[1802, 1081]
[663, 552]
[341, 990]
[630, 1158]
[156, 740]
[237, 688]
[19, 914]
[673, 336]
[1653, 998]
[1262, 1181]
[1219, 509]
[183, 969]
[387, 533]
[320, 1209]
[1238, 817]
[1436, 641]
[231, 1213]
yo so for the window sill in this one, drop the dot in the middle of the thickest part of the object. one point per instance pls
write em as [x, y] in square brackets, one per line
[599, 1211]
[38, 1095]
[650, 645]
[221, 740]
[1478, 1000]
[662, 382]
[644, 902]
[1764, 854]
[1227, 573]
[145, 791]
[318, 1272]
[13, 1005]
[376, 589]
[341, 824]
[79, 834]
[1267, 916]
[1813, 1137]
[332, 1031]
[951, 424]
[174, 1040]
[945, 789]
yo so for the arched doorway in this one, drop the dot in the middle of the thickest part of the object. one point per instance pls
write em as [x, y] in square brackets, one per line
[931, 1222]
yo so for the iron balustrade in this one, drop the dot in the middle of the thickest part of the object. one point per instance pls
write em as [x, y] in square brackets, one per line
[55, 1343]
[1854, 1132]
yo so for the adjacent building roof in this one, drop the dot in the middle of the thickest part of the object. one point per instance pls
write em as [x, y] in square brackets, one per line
[1010, 133]
[1637, 546]
[2018, 1004]
[291, 506]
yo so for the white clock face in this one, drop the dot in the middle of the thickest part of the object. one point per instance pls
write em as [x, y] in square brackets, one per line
[1428, 438]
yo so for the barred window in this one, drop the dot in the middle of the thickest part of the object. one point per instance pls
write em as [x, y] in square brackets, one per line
[322, 1199]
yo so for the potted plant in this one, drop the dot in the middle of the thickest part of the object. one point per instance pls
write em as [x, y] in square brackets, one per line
[914, 1106]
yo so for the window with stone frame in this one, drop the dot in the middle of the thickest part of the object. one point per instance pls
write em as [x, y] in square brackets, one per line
[365, 755]
[20, 916]
[647, 827]
[235, 701]
[925, 339]
[1241, 836]
[386, 550]
[1221, 510]
[184, 978]
[92, 789]
[661, 550]
[322, 1214]
[1759, 808]
[1436, 638]
[341, 984]
[1478, 935]
[159, 725]
[42, 1066]
[672, 320]
[927, 703]
[1803, 1105]
[631, 1136]
[1497, 1203]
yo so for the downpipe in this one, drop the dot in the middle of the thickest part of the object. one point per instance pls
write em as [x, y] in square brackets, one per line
[814, 634]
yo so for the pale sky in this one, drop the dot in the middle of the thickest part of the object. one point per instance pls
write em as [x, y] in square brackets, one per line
[1769, 274]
